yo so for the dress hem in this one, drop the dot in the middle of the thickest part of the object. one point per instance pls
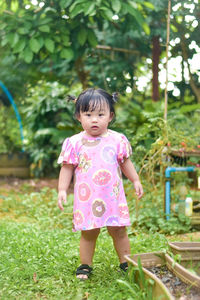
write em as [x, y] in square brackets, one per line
[121, 225]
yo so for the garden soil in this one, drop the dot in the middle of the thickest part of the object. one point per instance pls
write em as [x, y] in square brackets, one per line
[176, 286]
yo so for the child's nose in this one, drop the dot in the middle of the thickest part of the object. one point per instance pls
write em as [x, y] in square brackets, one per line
[94, 119]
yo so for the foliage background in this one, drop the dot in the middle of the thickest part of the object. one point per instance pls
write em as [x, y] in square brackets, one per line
[61, 47]
[49, 49]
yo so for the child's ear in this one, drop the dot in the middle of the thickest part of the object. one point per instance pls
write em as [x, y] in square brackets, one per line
[78, 117]
[111, 116]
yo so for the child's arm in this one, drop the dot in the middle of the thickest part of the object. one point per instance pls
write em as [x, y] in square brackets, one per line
[64, 181]
[129, 171]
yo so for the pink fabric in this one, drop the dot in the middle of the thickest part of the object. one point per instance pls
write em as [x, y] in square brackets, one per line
[99, 198]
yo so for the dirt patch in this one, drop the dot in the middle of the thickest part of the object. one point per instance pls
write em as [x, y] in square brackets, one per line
[34, 184]
[29, 185]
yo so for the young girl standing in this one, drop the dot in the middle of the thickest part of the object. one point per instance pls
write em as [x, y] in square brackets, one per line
[96, 158]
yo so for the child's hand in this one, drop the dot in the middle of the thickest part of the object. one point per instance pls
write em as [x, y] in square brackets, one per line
[138, 188]
[62, 198]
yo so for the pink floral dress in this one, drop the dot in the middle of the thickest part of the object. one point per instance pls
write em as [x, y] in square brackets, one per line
[99, 198]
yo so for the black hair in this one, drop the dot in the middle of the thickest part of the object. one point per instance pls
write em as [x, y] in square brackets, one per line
[91, 98]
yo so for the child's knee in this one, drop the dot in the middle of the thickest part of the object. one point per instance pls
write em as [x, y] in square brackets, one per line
[90, 234]
[117, 231]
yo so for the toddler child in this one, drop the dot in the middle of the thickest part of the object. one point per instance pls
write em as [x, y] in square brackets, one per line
[96, 158]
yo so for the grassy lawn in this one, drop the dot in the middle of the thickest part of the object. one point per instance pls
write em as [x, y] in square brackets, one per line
[39, 252]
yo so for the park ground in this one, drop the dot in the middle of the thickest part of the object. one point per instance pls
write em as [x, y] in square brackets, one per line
[39, 252]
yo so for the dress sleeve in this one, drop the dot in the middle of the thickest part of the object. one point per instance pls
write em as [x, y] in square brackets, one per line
[68, 154]
[124, 149]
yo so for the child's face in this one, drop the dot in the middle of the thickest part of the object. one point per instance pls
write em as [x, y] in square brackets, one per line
[96, 122]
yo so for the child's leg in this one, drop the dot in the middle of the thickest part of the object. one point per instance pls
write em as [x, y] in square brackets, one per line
[87, 247]
[120, 241]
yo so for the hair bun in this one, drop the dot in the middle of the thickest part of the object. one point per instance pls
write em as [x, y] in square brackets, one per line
[115, 96]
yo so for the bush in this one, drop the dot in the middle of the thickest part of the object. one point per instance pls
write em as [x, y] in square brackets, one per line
[49, 119]
[10, 140]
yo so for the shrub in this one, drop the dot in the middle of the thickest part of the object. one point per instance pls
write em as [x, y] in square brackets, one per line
[49, 119]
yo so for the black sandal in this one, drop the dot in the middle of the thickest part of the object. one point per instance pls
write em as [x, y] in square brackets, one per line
[84, 270]
[124, 266]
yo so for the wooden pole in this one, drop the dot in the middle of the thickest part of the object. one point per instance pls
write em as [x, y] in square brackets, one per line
[167, 50]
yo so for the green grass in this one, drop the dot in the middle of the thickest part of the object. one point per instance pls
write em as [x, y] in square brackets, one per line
[40, 253]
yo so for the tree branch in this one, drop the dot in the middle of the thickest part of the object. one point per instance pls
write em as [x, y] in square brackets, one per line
[109, 48]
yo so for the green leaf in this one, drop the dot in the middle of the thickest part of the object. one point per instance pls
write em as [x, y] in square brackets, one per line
[28, 25]
[2, 26]
[75, 3]
[67, 53]
[146, 28]
[89, 9]
[57, 38]
[107, 13]
[44, 21]
[22, 30]
[44, 28]
[174, 29]
[65, 40]
[136, 14]
[92, 39]
[148, 4]
[64, 3]
[13, 38]
[82, 36]
[14, 5]
[77, 10]
[34, 45]
[50, 45]
[189, 108]
[46, 131]
[19, 46]
[4, 41]
[40, 41]
[124, 9]
[116, 5]
[28, 55]
[133, 4]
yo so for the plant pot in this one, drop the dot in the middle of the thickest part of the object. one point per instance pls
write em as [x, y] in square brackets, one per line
[150, 260]
[158, 259]
[187, 250]
[189, 255]
[14, 164]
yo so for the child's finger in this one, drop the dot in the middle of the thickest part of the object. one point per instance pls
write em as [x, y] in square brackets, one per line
[60, 205]
[139, 192]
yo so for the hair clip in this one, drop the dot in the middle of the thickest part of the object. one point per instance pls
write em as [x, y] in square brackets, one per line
[115, 96]
[71, 98]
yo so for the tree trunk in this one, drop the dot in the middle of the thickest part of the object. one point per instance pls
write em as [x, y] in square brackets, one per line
[155, 69]
[194, 87]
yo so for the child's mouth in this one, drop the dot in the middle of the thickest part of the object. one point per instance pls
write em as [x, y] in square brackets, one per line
[94, 127]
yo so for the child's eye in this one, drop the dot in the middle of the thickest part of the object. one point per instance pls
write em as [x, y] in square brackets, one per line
[100, 115]
[88, 115]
